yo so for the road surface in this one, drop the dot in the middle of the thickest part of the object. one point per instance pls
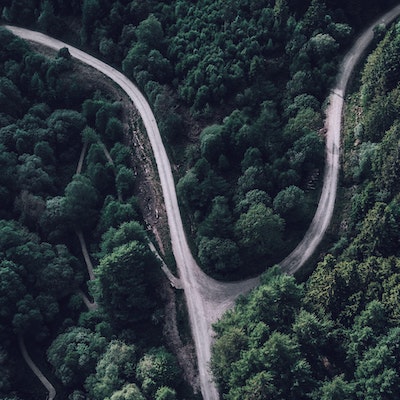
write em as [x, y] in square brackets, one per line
[333, 123]
[206, 298]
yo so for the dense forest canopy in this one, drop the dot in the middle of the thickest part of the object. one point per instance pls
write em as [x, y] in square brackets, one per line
[337, 335]
[50, 119]
[237, 89]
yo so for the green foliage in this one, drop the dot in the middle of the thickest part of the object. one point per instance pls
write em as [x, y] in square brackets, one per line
[90, 12]
[219, 221]
[74, 354]
[37, 276]
[124, 233]
[128, 392]
[227, 350]
[32, 175]
[120, 286]
[11, 289]
[259, 231]
[336, 389]
[386, 163]
[81, 202]
[289, 203]
[124, 182]
[377, 371]
[145, 60]
[156, 369]
[53, 220]
[323, 45]
[60, 274]
[47, 20]
[253, 197]
[114, 213]
[211, 143]
[268, 67]
[42, 270]
[380, 74]
[363, 163]
[368, 327]
[271, 346]
[254, 354]
[114, 130]
[10, 97]
[244, 63]
[217, 254]
[66, 126]
[344, 288]
[150, 32]
[378, 232]
[120, 154]
[165, 393]
[114, 368]
[313, 334]
[188, 188]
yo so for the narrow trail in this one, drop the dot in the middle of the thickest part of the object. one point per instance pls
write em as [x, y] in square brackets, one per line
[45, 382]
[81, 158]
[91, 306]
[89, 265]
[82, 241]
[111, 161]
[173, 280]
[206, 298]
[86, 256]
[107, 153]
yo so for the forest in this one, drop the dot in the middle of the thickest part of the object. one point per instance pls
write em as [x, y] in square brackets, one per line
[113, 348]
[238, 89]
[337, 335]
[238, 95]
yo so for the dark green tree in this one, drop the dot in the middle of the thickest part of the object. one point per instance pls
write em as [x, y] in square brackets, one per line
[150, 32]
[123, 234]
[12, 289]
[115, 367]
[124, 182]
[336, 389]
[219, 255]
[165, 393]
[259, 230]
[376, 372]
[80, 202]
[120, 286]
[157, 368]
[128, 392]
[74, 355]
[289, 203]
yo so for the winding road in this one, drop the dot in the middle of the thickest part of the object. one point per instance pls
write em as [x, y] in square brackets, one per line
[206, 298]
[333, 123]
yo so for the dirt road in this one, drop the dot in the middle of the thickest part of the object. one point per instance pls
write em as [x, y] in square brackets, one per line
[206, 298]
[333, 123]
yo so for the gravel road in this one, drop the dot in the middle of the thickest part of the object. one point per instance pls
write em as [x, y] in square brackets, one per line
[206, 298]
[333, 123]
